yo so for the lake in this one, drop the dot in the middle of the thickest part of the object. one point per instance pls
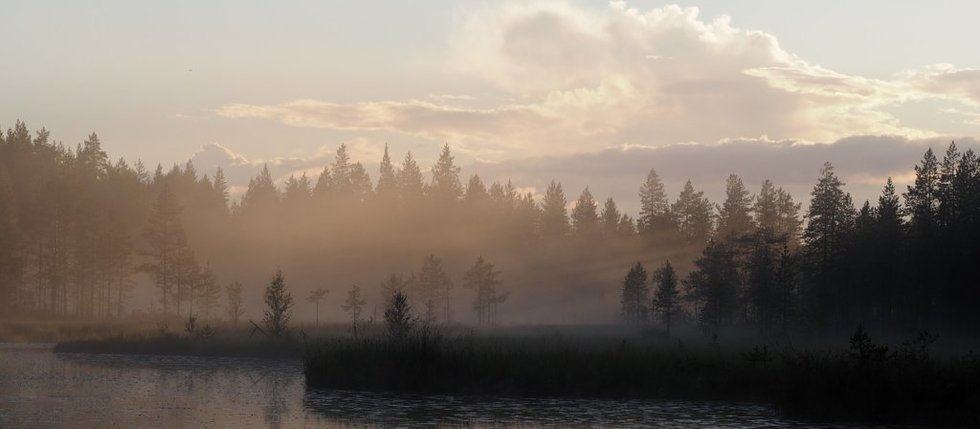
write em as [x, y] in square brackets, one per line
[39, 388]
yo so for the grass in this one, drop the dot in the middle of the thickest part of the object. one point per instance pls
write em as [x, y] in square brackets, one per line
[864, 382]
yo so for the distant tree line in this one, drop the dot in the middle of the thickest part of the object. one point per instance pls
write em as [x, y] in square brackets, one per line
[76, 230]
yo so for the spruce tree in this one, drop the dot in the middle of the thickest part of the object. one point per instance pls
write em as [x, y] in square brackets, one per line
[734, 218]
[666, 295]
[634, 295]
[585, 218]
[554, 216]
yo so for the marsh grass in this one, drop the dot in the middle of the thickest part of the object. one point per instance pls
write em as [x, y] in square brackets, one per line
[864, 382]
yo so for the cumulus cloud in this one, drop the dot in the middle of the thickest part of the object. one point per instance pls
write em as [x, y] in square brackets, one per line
[582, 80]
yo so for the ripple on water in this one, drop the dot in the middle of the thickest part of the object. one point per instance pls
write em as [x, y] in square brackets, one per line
[39, 388]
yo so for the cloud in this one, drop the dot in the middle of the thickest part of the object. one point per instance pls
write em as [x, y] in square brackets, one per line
[581, 80]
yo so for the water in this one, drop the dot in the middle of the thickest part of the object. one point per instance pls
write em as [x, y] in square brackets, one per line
[39, 388]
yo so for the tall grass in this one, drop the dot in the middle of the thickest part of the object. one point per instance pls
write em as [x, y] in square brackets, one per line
[865, 382]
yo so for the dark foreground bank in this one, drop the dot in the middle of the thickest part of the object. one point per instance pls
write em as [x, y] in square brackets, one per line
[865, 382]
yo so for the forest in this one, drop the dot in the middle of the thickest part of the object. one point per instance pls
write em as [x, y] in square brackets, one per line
[82, 237]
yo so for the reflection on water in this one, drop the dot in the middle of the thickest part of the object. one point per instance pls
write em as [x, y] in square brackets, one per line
[41, 389]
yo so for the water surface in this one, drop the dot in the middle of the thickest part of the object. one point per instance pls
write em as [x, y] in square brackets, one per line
[39, 388]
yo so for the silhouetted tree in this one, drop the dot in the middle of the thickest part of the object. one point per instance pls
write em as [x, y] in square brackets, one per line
[315, 296]
[694, 214]
[435, 289]
[484, 279]
[279, 304]
[585, 218]
[164, 237]
[831, 220]
[554, 216]
[445, 187]
[398, 317]
[655, 215]
[713, 286]
[666, 295]
[233, 305]
[734, 217]
[353, 306]
[634, 295]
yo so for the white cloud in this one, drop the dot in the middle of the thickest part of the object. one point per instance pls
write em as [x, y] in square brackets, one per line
[581, 80]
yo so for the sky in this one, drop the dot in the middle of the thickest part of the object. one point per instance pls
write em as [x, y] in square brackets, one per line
[585, 92]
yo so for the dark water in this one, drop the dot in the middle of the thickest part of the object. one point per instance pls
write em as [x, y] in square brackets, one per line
[39, 388]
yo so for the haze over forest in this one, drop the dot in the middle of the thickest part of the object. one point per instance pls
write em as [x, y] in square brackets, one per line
[91, 238]
[263, 162]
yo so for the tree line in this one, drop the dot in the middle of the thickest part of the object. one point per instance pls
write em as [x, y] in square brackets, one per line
[902, 263]
[77, 231]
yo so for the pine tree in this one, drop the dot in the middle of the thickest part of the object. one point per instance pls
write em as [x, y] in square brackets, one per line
[484, 279]
[585, 218]
[922, 198]
[435, 289]
[410, 184]
[476, 191]
[655, 216]
[666, 296]
[353, 306]
[164, 236]
[554, 216]
[634, 295]
[713, 286]
[233, 306]
[220, 186]
[831, 220]
[387, 189]
[208, 291]
[262, 195]
[446, 187]
[398, 317]
[315, 297]
[610, 218]
[694, 214]
[279, 304]
[734, 218]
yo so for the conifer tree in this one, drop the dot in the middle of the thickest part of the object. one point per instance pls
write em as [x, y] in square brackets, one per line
[164, 237]
[315, 297]
[694, 214]
[279, 304]
[734, 218]
[387, 188]
[446, 187]
[634, 295]
[353, 306]
[655, 216]
[610, 217]
[831, 220]
[554, 215]
[666, 301]
[484, 279]
[585, 218]
[435, 289]
[410, 184]
[713, 286]
[233, 305]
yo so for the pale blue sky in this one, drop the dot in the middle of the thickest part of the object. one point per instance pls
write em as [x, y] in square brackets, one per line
[120, 68]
